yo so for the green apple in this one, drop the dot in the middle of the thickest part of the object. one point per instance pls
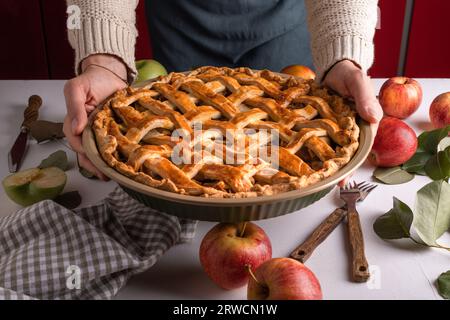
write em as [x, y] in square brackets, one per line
[33, 185]
[149, 69]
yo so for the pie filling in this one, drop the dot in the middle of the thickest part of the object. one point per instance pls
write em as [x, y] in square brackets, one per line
[229, 133]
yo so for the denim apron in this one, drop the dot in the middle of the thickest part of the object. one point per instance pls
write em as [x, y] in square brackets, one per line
[260, 34]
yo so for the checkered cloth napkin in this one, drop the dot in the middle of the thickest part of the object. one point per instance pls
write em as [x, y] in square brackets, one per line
[50, 252]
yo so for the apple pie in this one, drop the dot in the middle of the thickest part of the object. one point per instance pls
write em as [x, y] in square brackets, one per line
[229, 133]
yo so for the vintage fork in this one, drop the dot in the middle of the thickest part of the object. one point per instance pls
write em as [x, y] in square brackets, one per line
[351, 193]
[304, 251]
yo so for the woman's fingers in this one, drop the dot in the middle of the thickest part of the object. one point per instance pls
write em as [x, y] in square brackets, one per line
[75, 143]
[82, 94]
[74, 140]
[350, 81]
[374, 128]
[367, 104]
[75, 95]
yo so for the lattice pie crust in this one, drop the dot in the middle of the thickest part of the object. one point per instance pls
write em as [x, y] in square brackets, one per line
[317, 132]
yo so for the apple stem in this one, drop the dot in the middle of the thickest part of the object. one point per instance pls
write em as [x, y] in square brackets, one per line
[250, 272]
[244, 225]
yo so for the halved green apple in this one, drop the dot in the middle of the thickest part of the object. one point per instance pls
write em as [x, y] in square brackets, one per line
[33, 185]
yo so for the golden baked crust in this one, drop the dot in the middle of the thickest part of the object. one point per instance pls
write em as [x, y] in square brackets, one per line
[316, 133]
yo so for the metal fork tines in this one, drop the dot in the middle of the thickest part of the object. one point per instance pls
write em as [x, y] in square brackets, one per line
[352, 193]
[364, 188]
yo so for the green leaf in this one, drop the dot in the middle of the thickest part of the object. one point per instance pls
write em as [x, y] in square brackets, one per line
[56, 159]
[443, 284]
[417, 163]
[392, 176]
[432, 213]
[42, 130]
[429, 141]
[438, 166]
[396, 223]
[423, 163]
[432, 169]
[86, 173]
[444, 162]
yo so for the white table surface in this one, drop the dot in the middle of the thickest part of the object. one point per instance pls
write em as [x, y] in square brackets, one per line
[404, 270]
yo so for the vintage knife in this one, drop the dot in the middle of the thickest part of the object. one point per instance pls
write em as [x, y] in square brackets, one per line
[19, 148]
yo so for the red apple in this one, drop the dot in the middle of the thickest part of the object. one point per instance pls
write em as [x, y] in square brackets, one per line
[395, 143]
[283, 279]
[227, 250]
[300, 71]
[400, 97]
[440, 111]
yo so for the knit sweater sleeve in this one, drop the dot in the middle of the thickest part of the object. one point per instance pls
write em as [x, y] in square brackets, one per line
[342, 29]
[105, 26]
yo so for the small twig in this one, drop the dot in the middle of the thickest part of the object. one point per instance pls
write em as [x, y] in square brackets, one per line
[249, 270]
[241, 234]
[427, 245]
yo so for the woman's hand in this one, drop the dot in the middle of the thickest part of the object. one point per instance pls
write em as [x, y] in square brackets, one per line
[84, 93]
[351, 82]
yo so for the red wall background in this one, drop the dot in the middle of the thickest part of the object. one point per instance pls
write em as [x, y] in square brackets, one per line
[429, 43]
[388, 38]
[35, 46]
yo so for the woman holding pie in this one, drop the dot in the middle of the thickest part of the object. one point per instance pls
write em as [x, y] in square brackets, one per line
[336, 36]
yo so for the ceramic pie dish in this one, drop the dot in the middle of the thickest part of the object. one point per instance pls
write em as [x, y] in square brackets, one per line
[329, 159]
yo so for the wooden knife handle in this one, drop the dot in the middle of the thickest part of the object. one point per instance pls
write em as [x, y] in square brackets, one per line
[31, 113]
[304, 251]
[360, 267]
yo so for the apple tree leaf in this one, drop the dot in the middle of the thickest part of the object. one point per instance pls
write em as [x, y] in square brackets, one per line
[56, 159]
[396, 223]
[438, 166]
[417, 163]
[430, 144]
[443, 284]
[42, 130]
[392, 176]
[86, 173]
[429, 140]
[432, 211]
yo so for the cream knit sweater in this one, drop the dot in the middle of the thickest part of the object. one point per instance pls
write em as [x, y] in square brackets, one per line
[340, 29]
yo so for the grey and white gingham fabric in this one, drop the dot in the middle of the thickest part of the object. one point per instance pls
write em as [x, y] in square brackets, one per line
[50, 252]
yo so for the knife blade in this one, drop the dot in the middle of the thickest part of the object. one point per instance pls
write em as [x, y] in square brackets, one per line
[17, 151]
[19, 148]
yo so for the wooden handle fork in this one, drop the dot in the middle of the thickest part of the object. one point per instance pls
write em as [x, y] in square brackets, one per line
[360, 267]
[304, 251]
